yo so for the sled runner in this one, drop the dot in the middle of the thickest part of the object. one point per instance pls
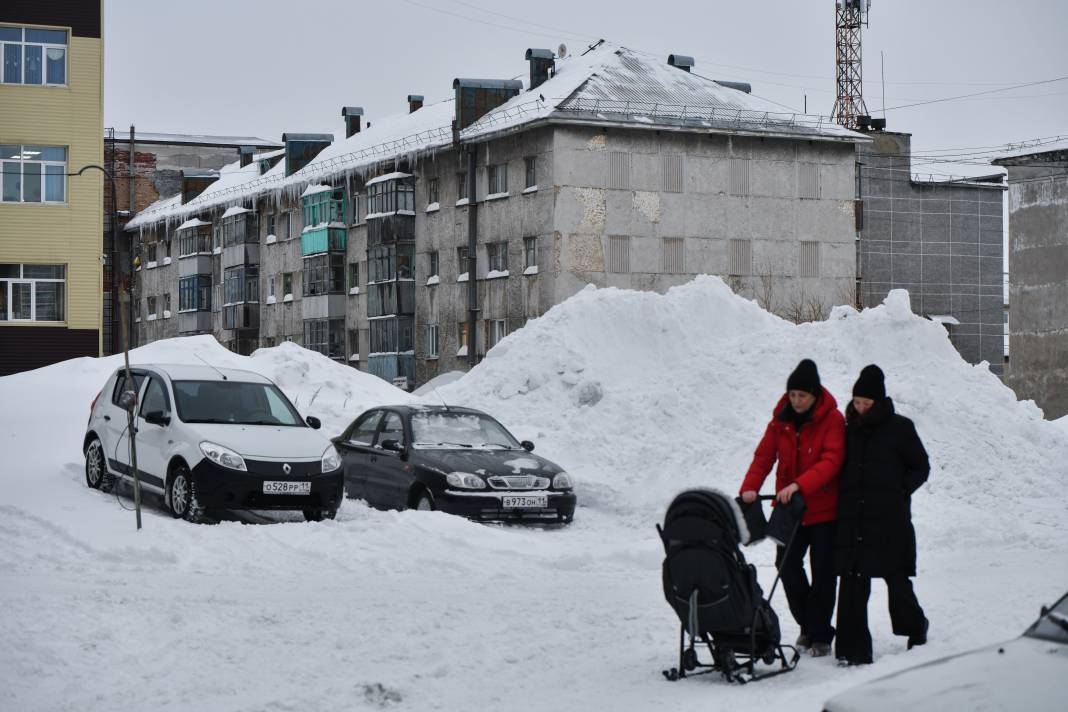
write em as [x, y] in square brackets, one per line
[715, 592]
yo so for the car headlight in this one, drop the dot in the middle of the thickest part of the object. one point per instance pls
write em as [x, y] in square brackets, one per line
[331, 460]
[562, 480]
[223, 456]
[465, 480]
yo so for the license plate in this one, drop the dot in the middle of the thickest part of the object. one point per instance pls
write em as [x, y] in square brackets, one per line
[273, 487]
[526, 501]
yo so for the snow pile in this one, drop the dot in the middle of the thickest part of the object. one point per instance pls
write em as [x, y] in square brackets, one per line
[641, 395]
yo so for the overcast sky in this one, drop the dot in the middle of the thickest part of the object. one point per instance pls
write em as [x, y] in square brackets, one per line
[238, 67]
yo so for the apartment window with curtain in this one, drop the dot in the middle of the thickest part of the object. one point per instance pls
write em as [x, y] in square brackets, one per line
[33, 174]
[530, 252]
[497, 179]
[32, 292]
[530, 168]
[497, 256]
[33, 56]
[431, 340]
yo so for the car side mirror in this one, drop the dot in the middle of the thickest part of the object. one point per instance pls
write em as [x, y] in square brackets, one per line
[313, 422]
[527, 445]
[127, 400]
[158, 417]
[392, 445]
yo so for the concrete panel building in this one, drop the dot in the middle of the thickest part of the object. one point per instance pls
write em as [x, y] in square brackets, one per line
[940, 238]
[51, 126]
[1038, 275]
[411, 248]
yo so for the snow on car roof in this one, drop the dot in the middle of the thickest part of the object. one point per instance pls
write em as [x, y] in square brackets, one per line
[192, 372]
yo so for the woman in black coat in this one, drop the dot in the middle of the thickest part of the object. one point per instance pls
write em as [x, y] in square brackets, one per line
[885, 463]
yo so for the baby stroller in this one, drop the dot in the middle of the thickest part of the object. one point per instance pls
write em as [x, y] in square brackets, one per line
[715, 592]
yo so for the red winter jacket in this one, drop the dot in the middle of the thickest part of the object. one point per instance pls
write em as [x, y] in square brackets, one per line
[811, 458]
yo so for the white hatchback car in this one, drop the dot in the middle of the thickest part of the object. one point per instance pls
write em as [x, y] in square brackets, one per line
[210, 438]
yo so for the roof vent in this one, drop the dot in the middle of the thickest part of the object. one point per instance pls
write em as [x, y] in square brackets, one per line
[864, 122]
[245, 152]
[477, 97]
[878, 124]
[542, 65]
[681, 61]
[352, 116]
[740, 86]
[194, 181]
[415, 103]
[301, 148]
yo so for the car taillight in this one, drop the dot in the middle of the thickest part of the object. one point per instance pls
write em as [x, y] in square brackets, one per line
[93, 406]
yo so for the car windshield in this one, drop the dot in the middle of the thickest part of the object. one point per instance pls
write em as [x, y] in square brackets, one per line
[1053, 625]
[234, 402]
[444, 429]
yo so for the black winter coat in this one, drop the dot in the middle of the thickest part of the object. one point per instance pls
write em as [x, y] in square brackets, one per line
[885, 463]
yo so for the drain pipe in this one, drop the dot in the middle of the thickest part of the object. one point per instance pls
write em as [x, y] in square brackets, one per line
[472, 263]
[130, 207]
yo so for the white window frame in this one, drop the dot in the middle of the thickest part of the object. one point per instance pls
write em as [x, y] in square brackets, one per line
[10, 282]
[497, 331]
[528, 252]
[497, 179]
[45, 46]
[21, 160]
[432, 344]
[497, 256]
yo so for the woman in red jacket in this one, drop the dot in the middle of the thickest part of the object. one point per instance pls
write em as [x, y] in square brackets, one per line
[807, 437]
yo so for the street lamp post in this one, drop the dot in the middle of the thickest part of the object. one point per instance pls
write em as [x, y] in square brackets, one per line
[129, 397]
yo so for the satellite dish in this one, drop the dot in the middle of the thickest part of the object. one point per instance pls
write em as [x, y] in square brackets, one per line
[561, 51]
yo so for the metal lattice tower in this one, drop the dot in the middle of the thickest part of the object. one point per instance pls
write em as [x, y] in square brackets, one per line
[849, 104]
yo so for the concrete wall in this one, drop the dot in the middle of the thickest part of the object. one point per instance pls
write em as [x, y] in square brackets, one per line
[1038, 281]
[943, 242]
[595, 200]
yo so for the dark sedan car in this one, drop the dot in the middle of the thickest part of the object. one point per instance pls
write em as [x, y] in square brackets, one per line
[456, 460]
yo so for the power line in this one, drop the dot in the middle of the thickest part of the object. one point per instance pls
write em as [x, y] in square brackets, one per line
[978, 93]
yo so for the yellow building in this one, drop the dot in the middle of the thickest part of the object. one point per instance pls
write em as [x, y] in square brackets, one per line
[51, 125]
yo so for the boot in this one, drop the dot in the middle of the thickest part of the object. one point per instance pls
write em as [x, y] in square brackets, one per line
[921, 638]
[820, 650]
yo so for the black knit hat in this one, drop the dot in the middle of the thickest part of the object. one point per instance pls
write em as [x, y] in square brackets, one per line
[805, 378]
[870, 384]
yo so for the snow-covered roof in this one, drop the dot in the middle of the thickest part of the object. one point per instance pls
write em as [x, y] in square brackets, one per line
[314, 188]
[201, 139]
[924, 171]
[235, 210]
[617, 85]
[195, 222]
[389, 176]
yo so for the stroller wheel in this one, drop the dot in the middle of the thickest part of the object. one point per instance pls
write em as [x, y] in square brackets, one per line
[689, 659]
[770, 657]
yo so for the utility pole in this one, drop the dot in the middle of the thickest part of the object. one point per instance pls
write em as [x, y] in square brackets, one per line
[849, 102]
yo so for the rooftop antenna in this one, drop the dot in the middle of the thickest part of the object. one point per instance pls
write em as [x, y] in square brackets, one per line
[212, 367]
[849, 101]
[435, 392]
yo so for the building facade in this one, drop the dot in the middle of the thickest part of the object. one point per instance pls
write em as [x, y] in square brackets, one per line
[411, 248]
[51, 126]
[942, 240]
[1038, 275]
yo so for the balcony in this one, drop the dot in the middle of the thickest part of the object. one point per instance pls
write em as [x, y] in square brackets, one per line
[324, 239]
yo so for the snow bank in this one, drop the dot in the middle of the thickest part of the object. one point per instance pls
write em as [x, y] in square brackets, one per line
[641, 395]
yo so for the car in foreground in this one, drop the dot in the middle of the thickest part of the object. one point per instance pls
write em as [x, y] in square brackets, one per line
[211, 438]
[456, 460]
[1025, 673]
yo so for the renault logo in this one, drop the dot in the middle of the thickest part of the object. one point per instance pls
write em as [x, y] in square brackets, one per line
[286, 468]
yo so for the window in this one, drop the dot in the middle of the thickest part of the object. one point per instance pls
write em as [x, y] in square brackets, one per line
[34, 174]
[151, 306]
[287, 283]
[530, 252]
[671, 172]
[461, 337]
[431, 340]
[497, 331]
[529, 164]
[32, 292]
[741, 258]
[167, 247]
[810, 259]
[151, 251]
[354, 346]
[497, 179]
[155, 398]
[364, 431]
[194, 241]
[242, 284]
[283, 227]
[239, 229]
[618, 170]
[355, 208]
[497, 256]
[33, 56]
[432, 191]
[194, 293]
[120, 385]
[673, 254]
[739, 178]
[324, 274]
[461, 185]
[327, 336]
[618, 253]
[271, 225]
[461, 260]
[325, 206]
[392, 429]
[354, 274]
[389, 196]
[433, 258]
[270, 286]
[166, 304]
[808, 180]
[391, 336]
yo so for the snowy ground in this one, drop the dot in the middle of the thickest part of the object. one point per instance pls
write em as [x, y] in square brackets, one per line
[639, 395]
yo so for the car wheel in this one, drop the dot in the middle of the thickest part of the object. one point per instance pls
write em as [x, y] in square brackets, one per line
[96, 469]
[318, 515]
[181, 496]
[424, 501]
